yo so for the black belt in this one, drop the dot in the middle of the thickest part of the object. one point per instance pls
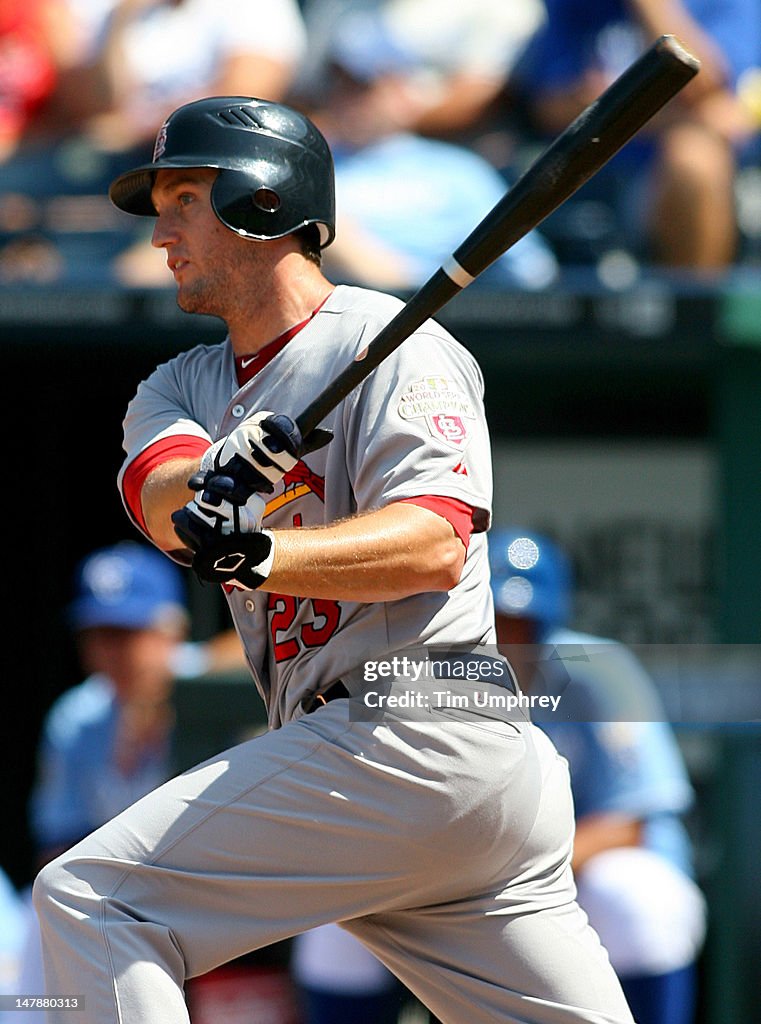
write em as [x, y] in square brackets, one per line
[317, 700]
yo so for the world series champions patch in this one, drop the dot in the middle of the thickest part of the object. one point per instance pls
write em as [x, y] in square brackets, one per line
[445, 409]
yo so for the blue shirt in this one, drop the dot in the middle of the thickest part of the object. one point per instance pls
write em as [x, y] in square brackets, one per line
[610, 726]
[78, 788]
[580, 33]
[422, 197]
[12, 931]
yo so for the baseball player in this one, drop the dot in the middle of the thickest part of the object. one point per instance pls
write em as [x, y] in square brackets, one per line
[442, 840]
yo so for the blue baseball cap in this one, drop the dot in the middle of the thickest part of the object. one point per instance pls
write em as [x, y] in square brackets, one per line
[129, 586]
[530, 577]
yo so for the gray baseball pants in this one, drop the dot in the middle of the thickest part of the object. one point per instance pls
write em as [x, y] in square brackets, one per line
[443, 845]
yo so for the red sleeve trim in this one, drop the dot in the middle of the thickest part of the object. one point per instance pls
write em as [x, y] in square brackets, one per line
[456, 512]
[179, 446]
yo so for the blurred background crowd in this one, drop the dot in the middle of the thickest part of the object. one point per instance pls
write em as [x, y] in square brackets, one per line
[433, 108]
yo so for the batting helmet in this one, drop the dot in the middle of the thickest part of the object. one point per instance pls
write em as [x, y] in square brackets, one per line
[531, 577]
[275, 167]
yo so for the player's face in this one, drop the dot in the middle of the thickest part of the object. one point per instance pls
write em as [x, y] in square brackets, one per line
[215, 270]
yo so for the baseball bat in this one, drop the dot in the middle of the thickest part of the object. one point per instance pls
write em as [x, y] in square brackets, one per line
[575, 156]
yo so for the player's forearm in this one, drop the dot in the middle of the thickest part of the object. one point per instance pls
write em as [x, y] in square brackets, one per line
[384, 555]
[164, 491]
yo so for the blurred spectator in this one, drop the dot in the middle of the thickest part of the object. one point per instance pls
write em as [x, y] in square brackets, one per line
[11, 936]
[126, 60]
[404, 202]
[33, 35]
[672, 187]
[632, 856]
[151, 55]
[107, 741]
[460, 57]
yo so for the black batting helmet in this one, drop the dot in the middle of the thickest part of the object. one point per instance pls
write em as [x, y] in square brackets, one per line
[275, 167]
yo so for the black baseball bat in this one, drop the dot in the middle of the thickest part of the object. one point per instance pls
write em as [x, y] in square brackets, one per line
[574, 157]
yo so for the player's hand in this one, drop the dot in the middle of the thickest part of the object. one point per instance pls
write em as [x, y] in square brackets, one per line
[233, 474]
[213, 511]
[242, 560]
[258, 453]
[227, 542]
[222, 521]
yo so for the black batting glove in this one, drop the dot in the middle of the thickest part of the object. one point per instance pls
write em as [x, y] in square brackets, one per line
[235, 558]
[242, 560]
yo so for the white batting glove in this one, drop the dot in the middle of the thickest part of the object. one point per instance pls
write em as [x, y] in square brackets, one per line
[264, 442]
[218, 511]
[233, 474]
[210, 514]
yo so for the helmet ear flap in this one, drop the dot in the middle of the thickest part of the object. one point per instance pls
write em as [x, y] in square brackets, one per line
[245, 205]
[261, 210]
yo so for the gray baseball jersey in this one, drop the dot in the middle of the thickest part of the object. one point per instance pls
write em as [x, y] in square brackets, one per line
[416, 426]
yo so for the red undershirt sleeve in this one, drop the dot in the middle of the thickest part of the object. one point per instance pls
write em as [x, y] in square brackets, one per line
[458, 513]
[180, 446]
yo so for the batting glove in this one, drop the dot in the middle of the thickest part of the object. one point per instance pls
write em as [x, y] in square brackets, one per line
[232, 475]
[214, 509]
[227, 541]
[242, 560]
[258, 454]
[222, 523]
